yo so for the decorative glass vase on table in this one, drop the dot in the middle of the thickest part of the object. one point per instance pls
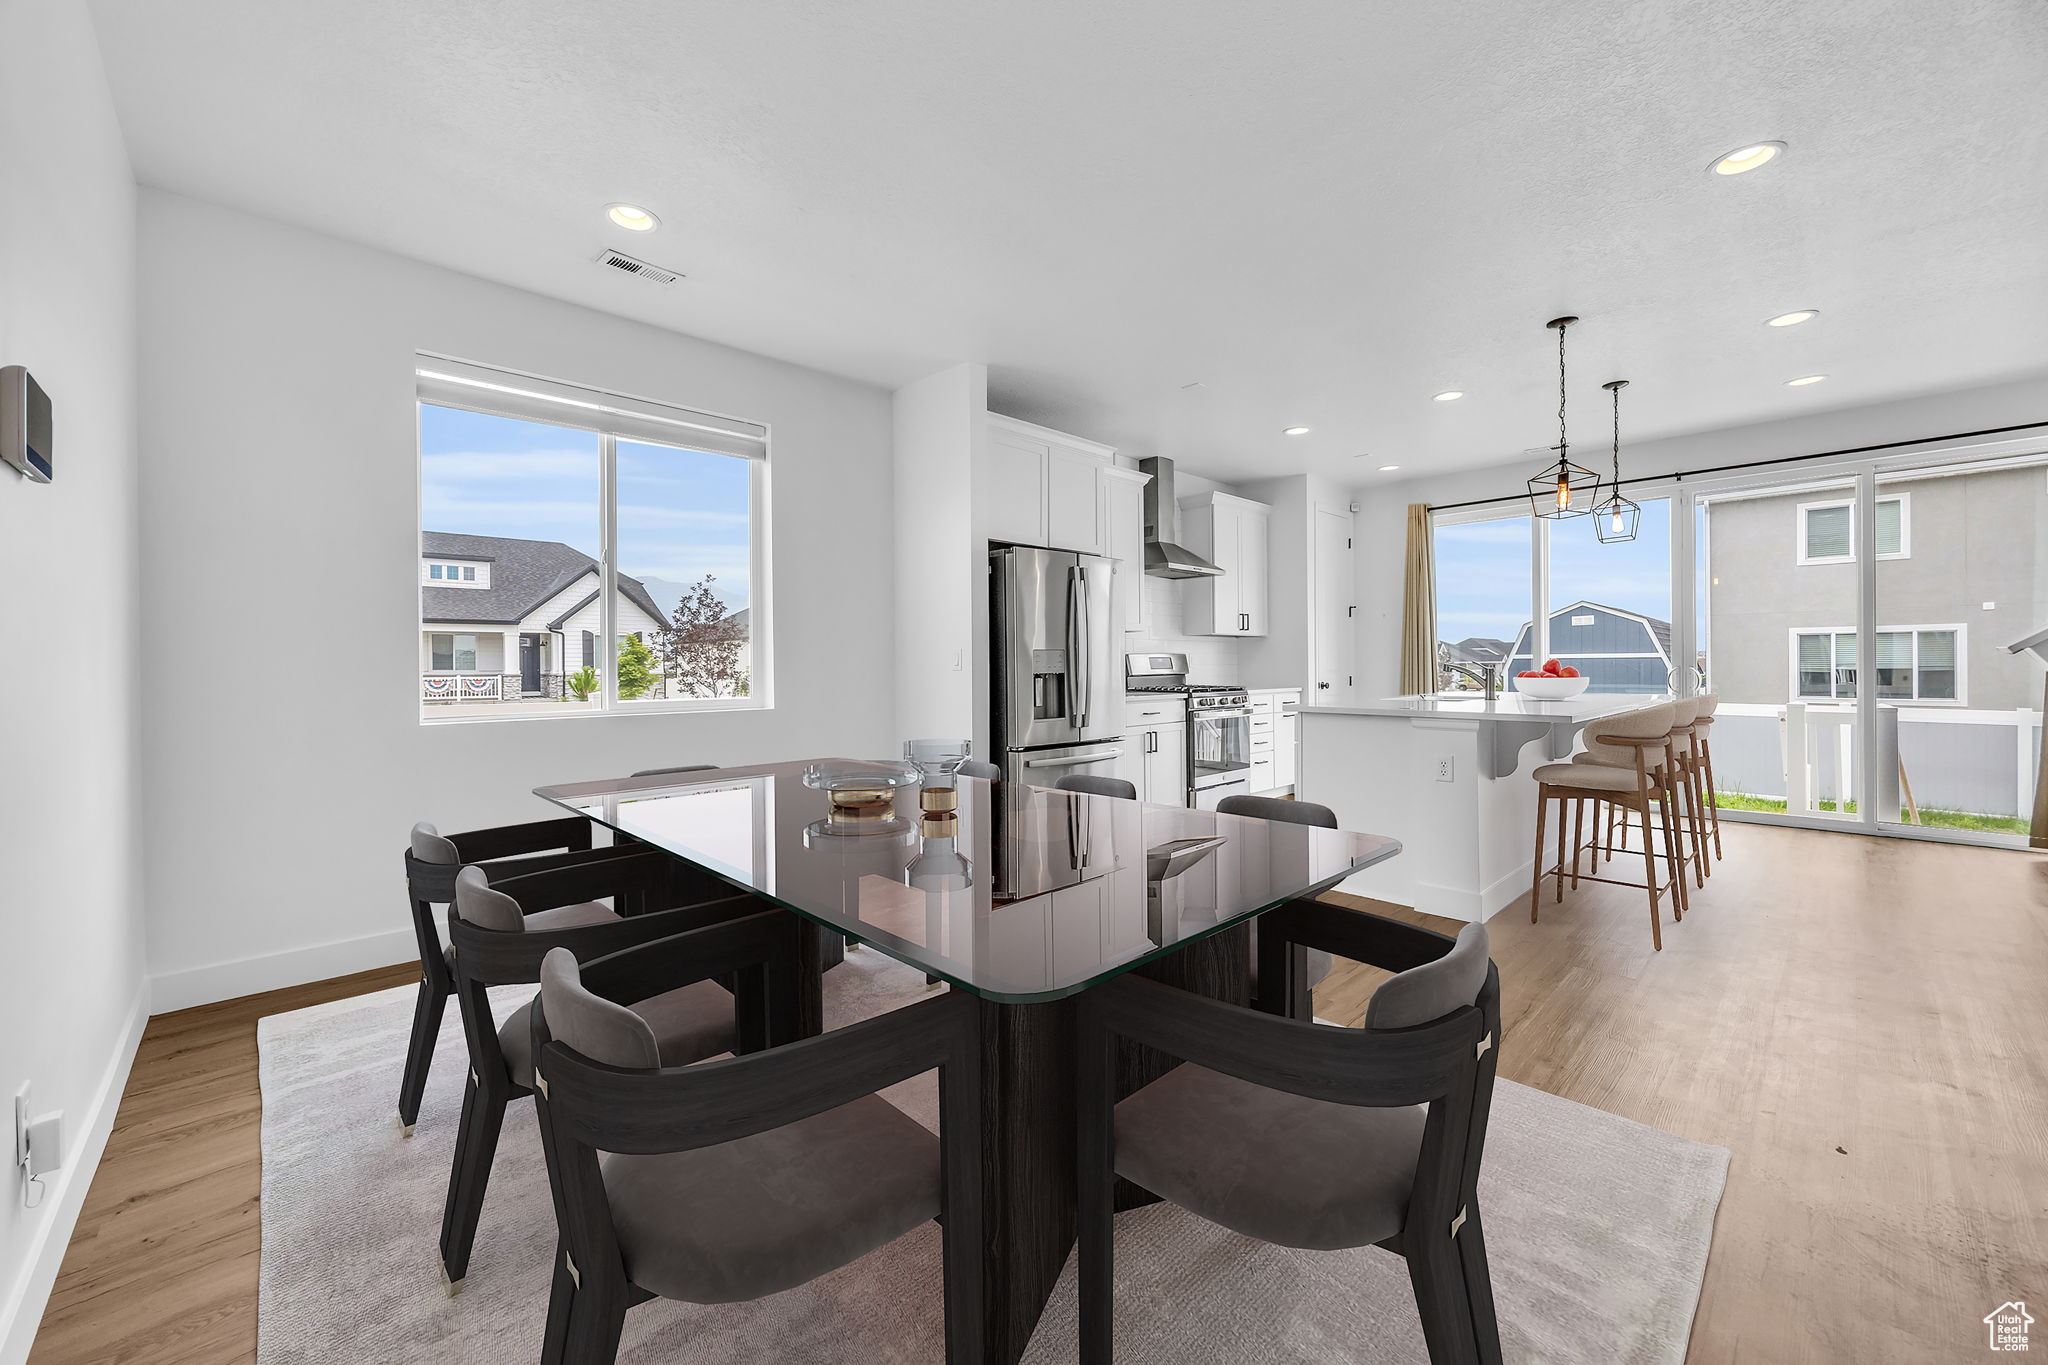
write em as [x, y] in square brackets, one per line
[861, 793]
[939, 760]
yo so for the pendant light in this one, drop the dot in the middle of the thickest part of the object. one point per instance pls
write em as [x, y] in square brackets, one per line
[1565, 489]
[1614, 520]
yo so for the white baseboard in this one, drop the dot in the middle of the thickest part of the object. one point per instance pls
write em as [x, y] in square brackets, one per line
[189, 986]
[64, 1196]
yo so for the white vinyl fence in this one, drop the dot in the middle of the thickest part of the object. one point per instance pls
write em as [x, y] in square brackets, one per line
[1981, 762]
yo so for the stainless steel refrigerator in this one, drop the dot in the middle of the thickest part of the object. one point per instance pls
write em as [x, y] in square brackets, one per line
[1056, 689]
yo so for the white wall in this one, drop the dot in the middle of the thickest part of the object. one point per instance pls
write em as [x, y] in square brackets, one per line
[71, 958]
[278, 418]
[1381, 521]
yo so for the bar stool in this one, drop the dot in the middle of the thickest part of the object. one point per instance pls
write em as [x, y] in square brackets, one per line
[1702, 738]
[1686, 792]
[1628, 764]
[1685, 804]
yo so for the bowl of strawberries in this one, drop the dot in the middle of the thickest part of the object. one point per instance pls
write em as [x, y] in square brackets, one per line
[1552, 682]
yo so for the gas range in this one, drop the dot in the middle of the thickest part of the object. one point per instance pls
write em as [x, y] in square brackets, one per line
[1203, 696]
[1169, 673]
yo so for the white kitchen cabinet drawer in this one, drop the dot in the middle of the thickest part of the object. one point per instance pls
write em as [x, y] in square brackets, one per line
[1262, 772]
[1142, 715]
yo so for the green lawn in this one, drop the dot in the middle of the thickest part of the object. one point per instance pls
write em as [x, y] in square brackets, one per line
[1938, 819]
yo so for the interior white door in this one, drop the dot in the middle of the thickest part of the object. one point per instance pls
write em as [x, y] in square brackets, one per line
[1336, 641]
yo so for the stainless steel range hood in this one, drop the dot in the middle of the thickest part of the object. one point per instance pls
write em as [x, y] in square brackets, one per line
[1165, 556]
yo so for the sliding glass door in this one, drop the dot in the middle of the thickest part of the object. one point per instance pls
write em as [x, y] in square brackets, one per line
[1780, 605]
[1961, 574]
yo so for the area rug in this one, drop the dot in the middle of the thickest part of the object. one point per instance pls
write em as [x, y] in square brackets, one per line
[1598, 1230]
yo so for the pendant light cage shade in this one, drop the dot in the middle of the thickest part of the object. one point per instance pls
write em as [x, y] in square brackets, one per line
[1564, 490]
[1616, 517]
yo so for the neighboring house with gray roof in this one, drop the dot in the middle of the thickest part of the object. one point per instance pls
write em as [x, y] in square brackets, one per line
[505, 619]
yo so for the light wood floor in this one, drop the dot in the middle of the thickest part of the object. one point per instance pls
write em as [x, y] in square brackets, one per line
[1860, 1020]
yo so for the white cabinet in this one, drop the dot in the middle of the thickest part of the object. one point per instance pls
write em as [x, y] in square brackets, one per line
[1155, 757]
[1230, 532]
[1276, 739]
[1166, 766]
[1123, 539]
[1037, 486]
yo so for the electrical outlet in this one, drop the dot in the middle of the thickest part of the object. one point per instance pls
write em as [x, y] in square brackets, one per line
[1445, 772]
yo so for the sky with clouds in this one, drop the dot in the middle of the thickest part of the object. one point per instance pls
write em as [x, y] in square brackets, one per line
[1482, 572]
[682, 513]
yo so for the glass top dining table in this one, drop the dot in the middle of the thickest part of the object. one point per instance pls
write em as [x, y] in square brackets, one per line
[1020, 894]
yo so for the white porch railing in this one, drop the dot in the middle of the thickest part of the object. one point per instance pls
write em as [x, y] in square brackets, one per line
[462, 686]
[1981, 762]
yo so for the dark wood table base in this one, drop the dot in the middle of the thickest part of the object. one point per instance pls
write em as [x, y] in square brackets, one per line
[1028, 1141]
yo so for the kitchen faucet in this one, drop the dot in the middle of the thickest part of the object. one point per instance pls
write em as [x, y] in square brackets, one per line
[1483, 674]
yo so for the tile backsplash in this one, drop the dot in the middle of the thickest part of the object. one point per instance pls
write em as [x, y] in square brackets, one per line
[1211, 658]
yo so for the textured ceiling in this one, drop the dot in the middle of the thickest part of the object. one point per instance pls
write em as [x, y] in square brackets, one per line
[1322, 213]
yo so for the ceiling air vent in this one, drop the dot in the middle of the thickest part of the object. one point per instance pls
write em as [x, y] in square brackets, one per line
[620, 261]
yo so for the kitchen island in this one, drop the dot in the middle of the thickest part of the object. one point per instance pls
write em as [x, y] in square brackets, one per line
[1448, 776]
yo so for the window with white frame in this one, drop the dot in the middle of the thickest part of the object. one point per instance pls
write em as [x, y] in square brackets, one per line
[443, 574]
[1827, 530]
[1914, 663]
[554, 518]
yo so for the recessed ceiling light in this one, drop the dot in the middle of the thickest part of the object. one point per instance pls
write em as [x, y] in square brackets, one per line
[1746, 158]
[1450, 395]
[1793, 319]
[1804, 380]
[1388, 468]
[1295, 431]
[632, 217]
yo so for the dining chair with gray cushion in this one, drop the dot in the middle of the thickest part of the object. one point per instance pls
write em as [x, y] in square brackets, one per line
[736, 1179]
[1315, 964]
[1090, 785]
[499, 933]
[431, 861]
[1307, 1135]
[685, 768]
[987, 772]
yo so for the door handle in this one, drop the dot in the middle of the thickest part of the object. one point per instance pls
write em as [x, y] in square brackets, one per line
[1078, 662]
[1096, 757]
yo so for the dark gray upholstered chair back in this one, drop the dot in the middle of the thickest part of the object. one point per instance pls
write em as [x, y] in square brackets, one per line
[1276, 808]
[478, 904]
[1426, 993]
[1098, 786]
[429, 846]
[987, 772]
[600, 1029]
[686, 768]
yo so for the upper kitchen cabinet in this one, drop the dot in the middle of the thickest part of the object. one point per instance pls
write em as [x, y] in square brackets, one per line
[1123, 539]
[1230, 532]
[1043, 487]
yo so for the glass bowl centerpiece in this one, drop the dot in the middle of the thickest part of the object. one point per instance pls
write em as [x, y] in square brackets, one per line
[862, 792]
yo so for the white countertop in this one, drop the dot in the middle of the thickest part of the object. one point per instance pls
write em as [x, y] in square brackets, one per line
[1509, 706]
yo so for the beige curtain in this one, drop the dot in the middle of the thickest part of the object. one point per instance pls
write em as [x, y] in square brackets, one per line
[1418, 606]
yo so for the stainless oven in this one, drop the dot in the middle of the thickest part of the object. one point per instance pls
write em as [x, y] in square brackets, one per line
[1219, 752]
